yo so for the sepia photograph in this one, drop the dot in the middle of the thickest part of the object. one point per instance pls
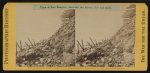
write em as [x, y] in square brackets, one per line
[45, 37]
[65, 37]
[105, 38]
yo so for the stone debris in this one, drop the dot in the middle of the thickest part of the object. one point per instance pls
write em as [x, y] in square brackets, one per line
[117, 51]
[51, 51]
[58, 50]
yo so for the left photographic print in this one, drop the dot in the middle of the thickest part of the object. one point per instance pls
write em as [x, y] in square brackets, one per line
[44, 37]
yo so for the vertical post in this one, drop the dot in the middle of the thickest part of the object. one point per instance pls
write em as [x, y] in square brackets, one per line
[82, 43]
[89, 45]
[20, 45]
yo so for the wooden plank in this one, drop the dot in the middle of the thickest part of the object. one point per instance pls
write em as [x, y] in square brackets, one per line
[27, 45]
[89, 44]
[92, 41]
[80, 45]
[20, 45]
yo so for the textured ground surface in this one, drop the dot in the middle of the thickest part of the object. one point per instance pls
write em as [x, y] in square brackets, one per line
[58, 50]
[115, 52]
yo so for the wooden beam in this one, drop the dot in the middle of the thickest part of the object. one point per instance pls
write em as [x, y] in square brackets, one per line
[20, 45]
[80, 45]
[92, 41]
[27, 45]
[78, 49]
[89, 44]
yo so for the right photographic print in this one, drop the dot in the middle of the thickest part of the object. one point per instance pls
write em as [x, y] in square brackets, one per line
[105, 37]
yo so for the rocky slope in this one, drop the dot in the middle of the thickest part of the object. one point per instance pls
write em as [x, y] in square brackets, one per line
[58, 50]
[117, 51]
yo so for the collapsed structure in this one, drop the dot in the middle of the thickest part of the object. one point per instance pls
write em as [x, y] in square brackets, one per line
[58, 50]
[118, 51]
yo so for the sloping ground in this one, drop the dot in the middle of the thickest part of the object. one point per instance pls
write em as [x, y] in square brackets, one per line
[58, 50]
[117, 51]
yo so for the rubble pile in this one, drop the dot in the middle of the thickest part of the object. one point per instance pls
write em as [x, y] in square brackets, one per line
[118, 51]
[59, 49]
[54, 50]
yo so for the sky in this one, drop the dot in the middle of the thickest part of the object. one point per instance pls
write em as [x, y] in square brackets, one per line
[38, 24]
[98, 24]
